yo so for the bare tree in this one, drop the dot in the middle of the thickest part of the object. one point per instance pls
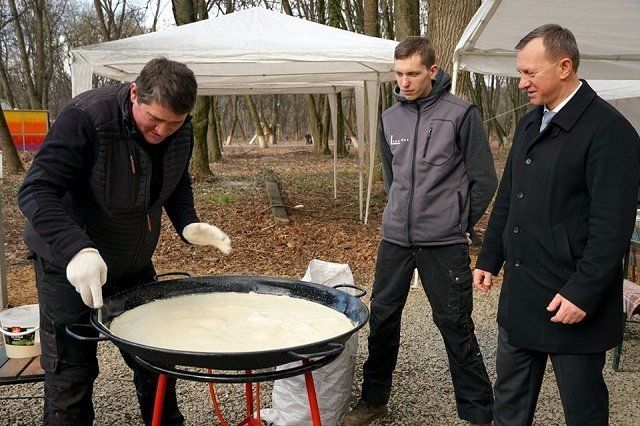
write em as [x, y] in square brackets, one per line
[12, 161]
[407, 13]
[185, 12]
[255, 121]
[447, 21]
[234, 119]
[213, 136]
[371, 18]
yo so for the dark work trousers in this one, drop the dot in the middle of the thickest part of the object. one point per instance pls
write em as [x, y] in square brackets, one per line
[71, 366]
[446, 279]
[583, 392]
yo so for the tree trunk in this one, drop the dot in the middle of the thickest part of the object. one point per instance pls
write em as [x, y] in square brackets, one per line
[313, 122]
[326, 119]
[447, 21]
[219, 130]
[407, 14]
[371, 20]
[341, 148]
[213, 142]
[286, 6]
[9, 151]
[273, 136]
[388, 19]
[34, 98]
[5, 84]
[200, 157]
[186, 12]
[234, 119]
[255, 121]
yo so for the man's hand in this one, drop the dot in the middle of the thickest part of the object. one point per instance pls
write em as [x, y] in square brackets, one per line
[203, 234]
[568, 312]
[483, 280]
[87, 272]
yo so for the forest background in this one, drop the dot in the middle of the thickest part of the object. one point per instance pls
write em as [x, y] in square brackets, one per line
[36, 37]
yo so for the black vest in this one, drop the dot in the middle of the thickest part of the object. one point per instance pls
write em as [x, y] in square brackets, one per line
[113, 206]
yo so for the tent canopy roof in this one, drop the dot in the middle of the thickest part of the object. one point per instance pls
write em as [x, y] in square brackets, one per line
[256, 48]
[607, 35]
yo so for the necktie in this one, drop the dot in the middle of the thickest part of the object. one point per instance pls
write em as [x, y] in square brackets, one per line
[546, 118]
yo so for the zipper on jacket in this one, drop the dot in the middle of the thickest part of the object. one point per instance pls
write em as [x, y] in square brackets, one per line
[426, 146]
[132, 164]
[413, 178]
[459, 209]
[146, 219]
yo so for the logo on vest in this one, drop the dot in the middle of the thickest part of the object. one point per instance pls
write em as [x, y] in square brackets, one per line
[397, 141]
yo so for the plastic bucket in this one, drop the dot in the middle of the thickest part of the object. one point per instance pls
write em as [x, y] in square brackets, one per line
[20, 326]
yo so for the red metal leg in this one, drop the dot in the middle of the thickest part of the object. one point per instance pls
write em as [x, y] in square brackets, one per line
[248, 391]
[313, 398]
[156, 419]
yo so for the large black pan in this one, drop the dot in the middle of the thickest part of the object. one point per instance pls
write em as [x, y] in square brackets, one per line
[336, 299]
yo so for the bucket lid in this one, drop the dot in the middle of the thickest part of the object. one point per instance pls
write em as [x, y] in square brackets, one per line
[26, 316]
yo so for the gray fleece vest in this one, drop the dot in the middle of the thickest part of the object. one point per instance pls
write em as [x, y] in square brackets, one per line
[428, 200]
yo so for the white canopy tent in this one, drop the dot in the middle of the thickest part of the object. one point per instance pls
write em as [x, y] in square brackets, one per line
[608, 37]
[258, 51]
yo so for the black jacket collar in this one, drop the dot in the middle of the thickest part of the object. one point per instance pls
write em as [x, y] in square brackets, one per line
[566, 118]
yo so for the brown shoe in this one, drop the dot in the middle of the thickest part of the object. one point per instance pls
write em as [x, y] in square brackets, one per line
[364, 413]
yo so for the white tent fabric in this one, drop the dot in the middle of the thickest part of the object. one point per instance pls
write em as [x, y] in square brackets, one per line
[256, 51]
[607, 33]
[249, 47]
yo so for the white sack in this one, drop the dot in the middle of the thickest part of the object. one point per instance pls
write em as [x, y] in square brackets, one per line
[333, 382]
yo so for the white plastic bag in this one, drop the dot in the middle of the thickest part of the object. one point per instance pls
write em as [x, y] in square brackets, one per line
[333, 382]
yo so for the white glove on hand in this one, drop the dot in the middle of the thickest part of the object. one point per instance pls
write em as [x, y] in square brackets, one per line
[88, 273]
[203, 234]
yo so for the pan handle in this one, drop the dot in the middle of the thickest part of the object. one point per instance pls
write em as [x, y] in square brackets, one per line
[336, 348]
[75, 331]
[361, 291]
[169, 274]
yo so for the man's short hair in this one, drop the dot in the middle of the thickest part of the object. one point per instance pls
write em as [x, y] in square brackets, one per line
[168, 83]
[416, 44]
[559, 43]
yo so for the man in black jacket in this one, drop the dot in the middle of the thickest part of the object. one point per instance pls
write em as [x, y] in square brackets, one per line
[93, 198]
[560, 225]
[440, 177]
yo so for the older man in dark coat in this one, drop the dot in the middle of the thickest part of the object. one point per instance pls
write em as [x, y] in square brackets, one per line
[560, 225]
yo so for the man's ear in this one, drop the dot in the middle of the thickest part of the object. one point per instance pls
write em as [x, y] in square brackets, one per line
[566, 68]
[134, 92]
[433, 70]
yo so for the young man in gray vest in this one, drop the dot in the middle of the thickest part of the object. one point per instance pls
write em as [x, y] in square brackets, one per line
[93, 198]
[439, 175]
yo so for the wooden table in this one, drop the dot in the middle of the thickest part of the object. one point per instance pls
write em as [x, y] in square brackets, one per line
[19, 370]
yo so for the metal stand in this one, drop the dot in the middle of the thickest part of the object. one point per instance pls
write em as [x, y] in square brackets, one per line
[253, 416]
[248, 378]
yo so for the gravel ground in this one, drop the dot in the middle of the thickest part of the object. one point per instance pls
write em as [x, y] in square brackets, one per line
[422, 392]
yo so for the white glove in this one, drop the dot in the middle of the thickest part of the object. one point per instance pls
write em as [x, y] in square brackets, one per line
[469, 240]
[203, 234]
[88, 273]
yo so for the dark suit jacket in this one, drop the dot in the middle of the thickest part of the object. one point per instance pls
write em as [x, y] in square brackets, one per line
[561, 223]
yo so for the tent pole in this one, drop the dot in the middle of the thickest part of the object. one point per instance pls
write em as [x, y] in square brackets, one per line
[456, 69]
[4, 300]
[373, 90]
[360, 112]
[333, 105]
